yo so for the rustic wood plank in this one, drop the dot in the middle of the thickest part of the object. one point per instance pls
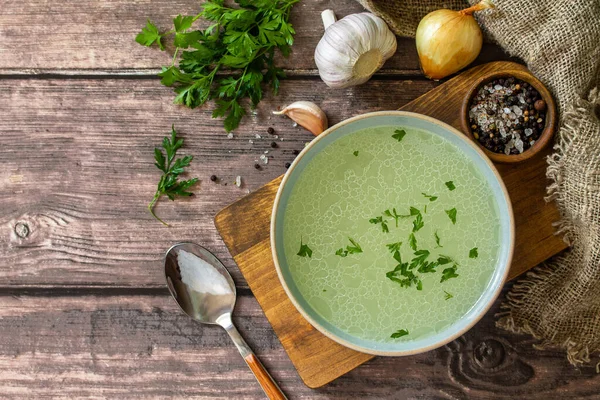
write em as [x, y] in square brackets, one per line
[41, 36]
[143, 346]
[77, 169]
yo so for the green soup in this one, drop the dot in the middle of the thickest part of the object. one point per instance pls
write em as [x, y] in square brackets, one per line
[354, 180]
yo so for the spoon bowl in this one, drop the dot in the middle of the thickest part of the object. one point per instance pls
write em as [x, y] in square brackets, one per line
[204, 290]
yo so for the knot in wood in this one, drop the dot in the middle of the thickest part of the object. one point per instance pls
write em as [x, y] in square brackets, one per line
[489, 354]
[22, 230]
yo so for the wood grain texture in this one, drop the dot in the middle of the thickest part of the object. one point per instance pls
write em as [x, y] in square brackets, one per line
[41, 36]
[83, 309]
[77, 169]
[245, 226]
[141, 346]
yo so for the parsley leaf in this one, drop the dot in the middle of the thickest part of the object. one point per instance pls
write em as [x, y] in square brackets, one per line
[430, 197]
[150, 35]
[304, 251]
[394, 247]
[449, 273]
[399, 134]
[171, 169]
[380, 220]
[399, 333]
[452, 215]
[412, 241]
[354, 249]
[442, 260]
[448, 296]
[473, 253]
[418, 223]
[241, 39]
[421, 256]
[427, 267]
[450, 185]
[414, 211]
[437, 240]
[355, 153]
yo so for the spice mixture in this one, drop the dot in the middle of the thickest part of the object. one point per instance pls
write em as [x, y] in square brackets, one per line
[507, 115]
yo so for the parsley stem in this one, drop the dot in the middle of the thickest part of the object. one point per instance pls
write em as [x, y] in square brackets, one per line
[151, 207]
[175, 56]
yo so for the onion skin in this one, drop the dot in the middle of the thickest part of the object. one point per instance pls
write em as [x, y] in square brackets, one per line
[447, 41]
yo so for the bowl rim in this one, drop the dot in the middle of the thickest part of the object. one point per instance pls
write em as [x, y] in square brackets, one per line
[546, 134]
[476, 318]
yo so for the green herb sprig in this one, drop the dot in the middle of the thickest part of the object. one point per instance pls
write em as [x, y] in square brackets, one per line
[354, 249]
[380, 220]
[399, 333]
[241, 39]
[171, 168]
[304, 251]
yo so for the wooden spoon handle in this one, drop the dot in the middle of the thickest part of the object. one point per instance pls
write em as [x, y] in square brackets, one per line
[262, 376]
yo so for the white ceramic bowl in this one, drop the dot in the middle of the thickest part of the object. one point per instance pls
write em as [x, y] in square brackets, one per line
[506, 241]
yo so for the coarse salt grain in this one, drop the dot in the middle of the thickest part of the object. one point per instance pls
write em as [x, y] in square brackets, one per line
[498, 87]
[257, 136]
[528, 132]
[250, 141]
[519, 145]
[238, 181]
[230, 135]
[264, 159]
[517, 111]
[506, 110]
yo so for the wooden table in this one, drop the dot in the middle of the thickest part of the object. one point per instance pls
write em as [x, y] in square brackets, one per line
[83, 307]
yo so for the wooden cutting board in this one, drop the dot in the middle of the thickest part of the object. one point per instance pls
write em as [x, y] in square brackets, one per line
[244, 226]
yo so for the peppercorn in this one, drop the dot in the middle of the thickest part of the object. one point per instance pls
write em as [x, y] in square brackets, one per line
[473, 126]
[287, 165]
[273, 144]
[526, 112]
[475, 135]
[540, 105]
[213, 178]
[295, 152]
[517, 87]
[526, 119]
[257, 166]
[270, 131]
[490, 111]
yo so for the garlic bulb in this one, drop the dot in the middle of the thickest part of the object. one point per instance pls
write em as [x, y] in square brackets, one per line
[353, 48]
[448, 41]
[307, 115]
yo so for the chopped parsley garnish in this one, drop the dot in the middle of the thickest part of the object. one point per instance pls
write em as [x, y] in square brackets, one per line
[448, 296]
[354, 249]
[449, 273]
[304, 251]
[430, 197]
[418, 223]
[355, 153]
[412, 241]
[399, 333]
[450, 185]
[427, 267]
[437, 240]
[399, 134]
[395, 215]
[452, 215]
[425, 209]
[380, 220]
[414, 211]
[473, 253]
[443, 260]
[421, 256]
[394, 247]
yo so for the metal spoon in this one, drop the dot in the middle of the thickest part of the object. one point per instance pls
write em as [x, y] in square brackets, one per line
[204, 290]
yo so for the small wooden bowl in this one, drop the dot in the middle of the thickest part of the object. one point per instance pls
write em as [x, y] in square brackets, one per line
[546, 134]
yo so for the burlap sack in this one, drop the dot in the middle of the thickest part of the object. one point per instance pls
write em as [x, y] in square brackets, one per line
[558, 303]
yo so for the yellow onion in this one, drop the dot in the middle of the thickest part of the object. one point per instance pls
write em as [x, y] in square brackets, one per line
[448, 41]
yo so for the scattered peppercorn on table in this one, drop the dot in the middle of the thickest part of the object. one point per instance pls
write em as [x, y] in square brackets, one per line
[84, 311]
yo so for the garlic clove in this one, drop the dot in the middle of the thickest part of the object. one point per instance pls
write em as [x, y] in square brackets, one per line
[306, 114]
[353, 48]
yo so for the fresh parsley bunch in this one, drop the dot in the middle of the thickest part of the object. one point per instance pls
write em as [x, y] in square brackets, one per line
[241, 39]
[171, 168]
